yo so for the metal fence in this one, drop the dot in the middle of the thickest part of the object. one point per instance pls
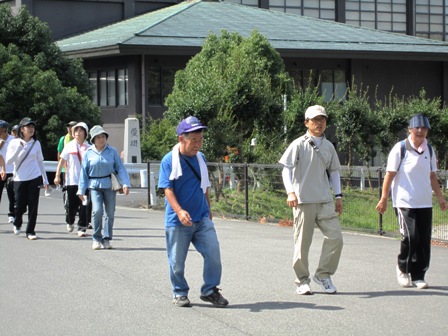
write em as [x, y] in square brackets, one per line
[255, 192]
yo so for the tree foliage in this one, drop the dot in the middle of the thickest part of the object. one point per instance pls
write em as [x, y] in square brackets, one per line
[354, 124]
[235, 85]
[37, 81]
[158, 140]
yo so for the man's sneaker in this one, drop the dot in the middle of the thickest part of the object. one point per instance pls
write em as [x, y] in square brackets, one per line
[420, 284]
[215, 298]
[81, 234]
[181, 301]
[303, 289]
[404, 280]
[32, 237]
[107, 245]
[11, 219]
[326, 284]
[16, 230]
[70, 228]
[96, 245]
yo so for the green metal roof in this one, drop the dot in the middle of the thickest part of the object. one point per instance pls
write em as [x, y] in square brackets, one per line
[186, 25]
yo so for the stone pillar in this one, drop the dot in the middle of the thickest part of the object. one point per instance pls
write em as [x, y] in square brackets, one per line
[132, 149]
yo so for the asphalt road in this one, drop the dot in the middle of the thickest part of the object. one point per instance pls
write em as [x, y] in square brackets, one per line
[58, 285]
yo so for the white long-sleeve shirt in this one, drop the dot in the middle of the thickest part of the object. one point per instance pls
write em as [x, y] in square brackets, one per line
[32, 166]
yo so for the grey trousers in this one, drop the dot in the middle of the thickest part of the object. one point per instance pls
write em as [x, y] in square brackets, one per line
[306, 216]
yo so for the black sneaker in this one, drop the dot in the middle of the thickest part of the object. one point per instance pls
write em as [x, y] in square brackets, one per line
[215, 298]
[181, 301]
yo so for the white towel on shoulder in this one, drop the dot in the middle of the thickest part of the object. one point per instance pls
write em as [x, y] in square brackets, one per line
[176, 169]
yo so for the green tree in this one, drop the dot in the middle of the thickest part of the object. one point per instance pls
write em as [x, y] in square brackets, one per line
[37, 81]
[352, 123]
[294, 114]
[392, 120]
[158, 140]
[438, 120]
[235, 85]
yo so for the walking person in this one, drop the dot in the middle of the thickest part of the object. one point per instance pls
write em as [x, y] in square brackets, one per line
[188, 218]
[71, 158]
[310, 166]
[101, 161]
[411, 176]
[15, 131]
[63, 140]
[25, 154]
[5, 139]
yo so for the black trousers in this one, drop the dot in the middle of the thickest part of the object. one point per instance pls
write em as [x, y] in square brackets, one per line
[73, 206]
[27, 195]
[415, 247]
[9, 192]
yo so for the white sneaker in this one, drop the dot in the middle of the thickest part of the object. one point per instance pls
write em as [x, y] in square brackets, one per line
[96, 245]
[81, 234]
[107, 245]
[16, 230]
[420, 284]
[404, 280]
[11, 219]
[303, 289]
[70, 228]
[32, 237]
[326, 284]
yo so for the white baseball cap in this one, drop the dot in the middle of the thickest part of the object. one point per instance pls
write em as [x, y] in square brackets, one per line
[315, 111]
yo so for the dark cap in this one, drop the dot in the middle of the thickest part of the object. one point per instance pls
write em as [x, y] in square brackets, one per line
[3, 124]
[419, 120]
[26, 121]
[71, 123]
[15, 128]
[189, 124]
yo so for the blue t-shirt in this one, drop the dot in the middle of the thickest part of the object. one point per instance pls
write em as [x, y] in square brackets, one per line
[187, 189]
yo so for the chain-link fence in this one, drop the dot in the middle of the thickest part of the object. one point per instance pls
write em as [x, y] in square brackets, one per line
[255, 192]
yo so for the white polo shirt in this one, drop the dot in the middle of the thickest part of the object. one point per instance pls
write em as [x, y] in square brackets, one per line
[411, 187]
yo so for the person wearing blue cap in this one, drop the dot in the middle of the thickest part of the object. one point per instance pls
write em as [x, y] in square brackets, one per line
[411, 176]
[188, 218]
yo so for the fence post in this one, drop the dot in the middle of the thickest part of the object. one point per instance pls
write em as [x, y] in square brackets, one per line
[246, 186]
[380, 189]
[148, 172]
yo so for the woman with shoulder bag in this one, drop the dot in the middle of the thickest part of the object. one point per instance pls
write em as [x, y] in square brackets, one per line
[25, 154]
[101, 161]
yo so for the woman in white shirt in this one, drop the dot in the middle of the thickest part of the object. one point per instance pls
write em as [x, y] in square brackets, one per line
[71, 158]
[25, 153]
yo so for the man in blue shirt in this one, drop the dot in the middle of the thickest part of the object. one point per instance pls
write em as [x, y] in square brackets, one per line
[188, 219]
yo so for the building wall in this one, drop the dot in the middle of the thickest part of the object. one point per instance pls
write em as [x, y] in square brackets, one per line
[113, 117]
[87, 14]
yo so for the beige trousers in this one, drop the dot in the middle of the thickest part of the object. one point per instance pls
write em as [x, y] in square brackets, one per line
[306, 216]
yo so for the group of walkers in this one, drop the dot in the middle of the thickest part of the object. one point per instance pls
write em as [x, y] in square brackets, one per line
[310, 175]
[312, 182]
[87, 180]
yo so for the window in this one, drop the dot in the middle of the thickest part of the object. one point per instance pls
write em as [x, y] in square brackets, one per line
[321, 9]
[123, 87]
[93, 78]
[111, 87]
[429, 15]
[160, 83]
[332, 83]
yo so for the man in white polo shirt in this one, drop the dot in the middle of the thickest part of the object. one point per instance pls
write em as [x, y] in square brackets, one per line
[411, 168]
[310, 164]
